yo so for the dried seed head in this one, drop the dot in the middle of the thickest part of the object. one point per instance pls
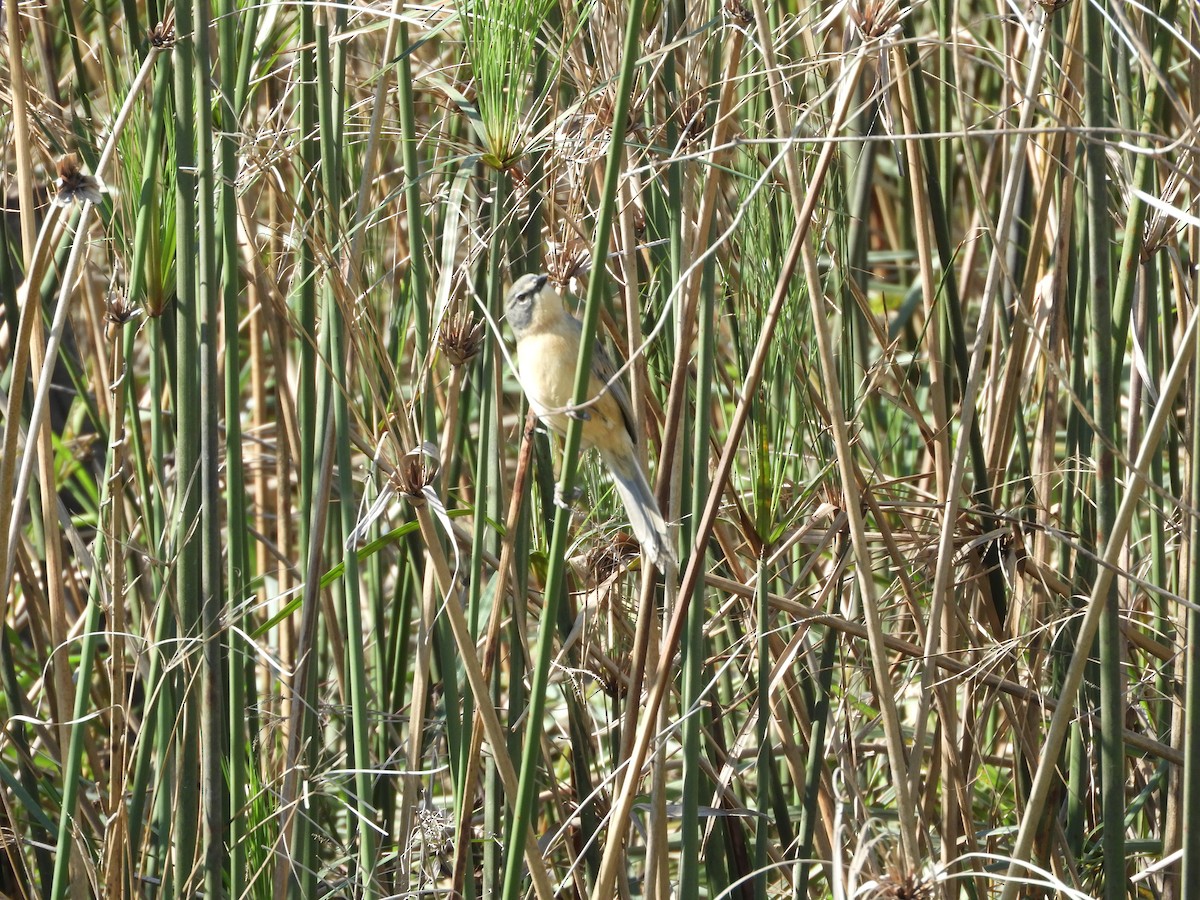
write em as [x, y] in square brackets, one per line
[416, 471]
[874, 18]
[568, 259]
[119, 313]
[162, 36]
[74, 186]
[898, 885]
[739, 13]
[461, 337]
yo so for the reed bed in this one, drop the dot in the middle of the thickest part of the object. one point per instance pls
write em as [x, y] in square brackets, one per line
[293, 605]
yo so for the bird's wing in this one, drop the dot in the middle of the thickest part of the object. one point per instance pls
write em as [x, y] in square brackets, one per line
[604, 369]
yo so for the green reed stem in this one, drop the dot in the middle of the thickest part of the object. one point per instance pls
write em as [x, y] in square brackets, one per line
[572, 445]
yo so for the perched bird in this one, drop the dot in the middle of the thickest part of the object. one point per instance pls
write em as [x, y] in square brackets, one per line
[547, 352]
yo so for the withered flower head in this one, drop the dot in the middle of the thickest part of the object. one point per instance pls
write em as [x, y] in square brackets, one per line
[74, 186]
[739, 12]
[461, 336]
[568, 259]
[898, 885]
[416, 471]
[874, 18]
[162, 36]
[120, 311]
[1156, 235]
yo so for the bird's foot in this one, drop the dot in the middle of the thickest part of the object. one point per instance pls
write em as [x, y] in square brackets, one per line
[566, 502]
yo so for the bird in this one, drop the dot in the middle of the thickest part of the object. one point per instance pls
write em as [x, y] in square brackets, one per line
[548, 343]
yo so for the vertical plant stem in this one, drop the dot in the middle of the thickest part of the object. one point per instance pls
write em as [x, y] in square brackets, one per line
[490, 721]
[237, 563]
[297, 876]
[418, 281]
[816, 739]
[214, 727]
[360, 696]
[1096, 606]
[1143, 181]
[693, 649]
[1104, 404]
[1190, 800]
[572, 445]
[763, 726]
[187, 527]
[72, 734]
[337, 379]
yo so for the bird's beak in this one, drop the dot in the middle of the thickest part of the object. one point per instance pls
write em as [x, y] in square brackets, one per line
[541, 281]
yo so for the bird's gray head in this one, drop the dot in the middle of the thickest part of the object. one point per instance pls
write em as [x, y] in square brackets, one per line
[520, 307]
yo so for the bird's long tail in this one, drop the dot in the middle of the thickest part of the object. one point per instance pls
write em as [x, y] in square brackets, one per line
[646, 519]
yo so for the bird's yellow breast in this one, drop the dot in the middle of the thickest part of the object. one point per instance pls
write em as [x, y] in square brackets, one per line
[547, 365]
[547, 362]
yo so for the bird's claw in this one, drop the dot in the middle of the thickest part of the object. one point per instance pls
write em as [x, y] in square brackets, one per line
[565, 503]
[581, 414]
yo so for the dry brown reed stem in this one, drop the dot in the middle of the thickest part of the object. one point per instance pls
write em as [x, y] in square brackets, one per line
[686, 303]
[28, 334]
[1049, 372]
[690, 291]
[21, 142]
[290, 799]
[941, 628]
[795, 182]
[415, 750]
[996, 271]
[41, 440]
[493, 730]
[115, 873]
[1060, 147]
[805, 614]
[273, 311]
[451, 406]
[1138, 482]
[491, 648]
[618, 821]
[851, 477]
